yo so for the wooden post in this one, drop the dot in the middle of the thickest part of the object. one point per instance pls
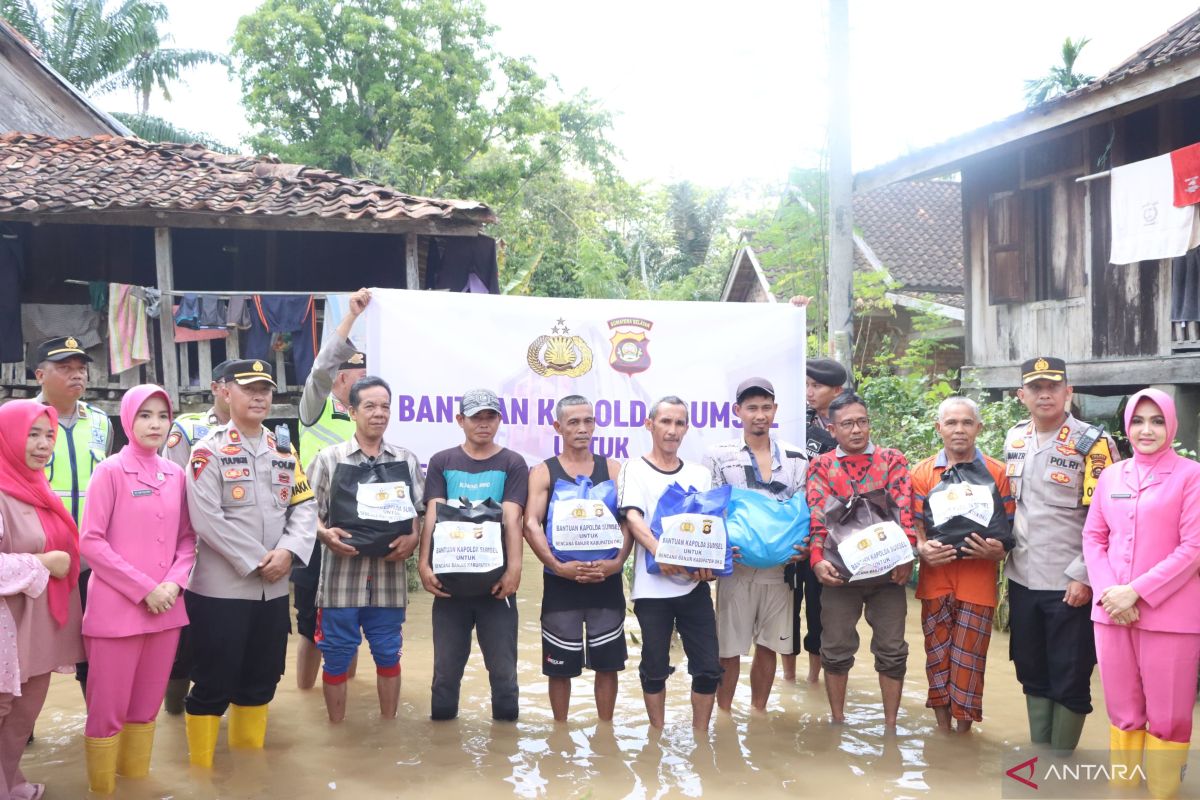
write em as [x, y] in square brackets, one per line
[165, 270]
[412, 271]
[841, 189]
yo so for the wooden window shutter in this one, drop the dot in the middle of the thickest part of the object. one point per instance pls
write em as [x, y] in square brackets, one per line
[1006, 254]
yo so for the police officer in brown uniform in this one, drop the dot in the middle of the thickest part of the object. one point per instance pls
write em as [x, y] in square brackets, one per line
[254, 517]
[1053, 460]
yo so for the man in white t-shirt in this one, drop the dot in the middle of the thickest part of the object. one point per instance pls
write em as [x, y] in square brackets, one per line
[676, 599]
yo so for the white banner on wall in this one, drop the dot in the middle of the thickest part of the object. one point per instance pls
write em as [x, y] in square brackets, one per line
[623, 355]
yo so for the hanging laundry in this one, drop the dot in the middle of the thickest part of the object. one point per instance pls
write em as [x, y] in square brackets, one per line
[98, 292]
[1185, 287]
[42, 321]
[128, 339]
[284, 314]
[239, 312]
[12, 274]
[453, 259]
[202, 312]
[1146, 225]
[1185, 170]
[184, 335]
[153, 297]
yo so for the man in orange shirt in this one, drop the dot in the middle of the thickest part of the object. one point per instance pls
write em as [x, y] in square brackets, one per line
[957, 590]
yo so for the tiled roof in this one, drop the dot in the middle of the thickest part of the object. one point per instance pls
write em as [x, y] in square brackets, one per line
[44, 175]
[1181, 39]
[915, 229]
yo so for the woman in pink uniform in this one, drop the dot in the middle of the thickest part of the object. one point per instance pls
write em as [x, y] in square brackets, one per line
[1142, 547]
[138, 540]
[39, 576]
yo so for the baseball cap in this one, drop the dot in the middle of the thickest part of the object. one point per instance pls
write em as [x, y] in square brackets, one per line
[761, 384]
[478, 400]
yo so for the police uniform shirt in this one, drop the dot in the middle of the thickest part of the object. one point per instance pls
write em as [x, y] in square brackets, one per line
[245, 499]
[320, 382]
[1047, 482]
[82, 410]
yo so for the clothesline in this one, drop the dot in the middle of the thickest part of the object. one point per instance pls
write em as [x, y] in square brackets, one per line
[1094, 176]
[224, 295]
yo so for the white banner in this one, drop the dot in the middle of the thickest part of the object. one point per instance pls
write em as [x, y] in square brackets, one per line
[623, 355]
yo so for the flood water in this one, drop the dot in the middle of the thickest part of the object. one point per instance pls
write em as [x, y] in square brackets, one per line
[790, 751]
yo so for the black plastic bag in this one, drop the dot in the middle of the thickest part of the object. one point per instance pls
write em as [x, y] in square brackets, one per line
[467, 553]
[844, 518]
[970, 488]
[373, 503]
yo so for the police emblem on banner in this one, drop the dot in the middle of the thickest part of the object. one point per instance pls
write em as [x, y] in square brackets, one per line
[629, 342]
[558, 353]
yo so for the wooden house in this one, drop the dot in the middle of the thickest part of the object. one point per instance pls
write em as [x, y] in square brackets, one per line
[908, 232]
[1037, 236]
[87, 203]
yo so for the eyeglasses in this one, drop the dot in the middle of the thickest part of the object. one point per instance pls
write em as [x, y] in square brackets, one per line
[851, 424]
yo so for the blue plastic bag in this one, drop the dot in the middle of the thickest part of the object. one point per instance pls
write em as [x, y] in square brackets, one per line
[604, 492]
[764, 529]
[677, 500]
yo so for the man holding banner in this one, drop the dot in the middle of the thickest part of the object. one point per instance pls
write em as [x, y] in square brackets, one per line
[860, 497]
[578, 592]
[477, 470]
[754, 606]
[674, 599]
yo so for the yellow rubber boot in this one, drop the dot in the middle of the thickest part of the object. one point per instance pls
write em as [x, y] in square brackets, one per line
[247, 726]
[101, 763]
[1125, 756]
[202, 732]
[134, 748]
[1165, 763]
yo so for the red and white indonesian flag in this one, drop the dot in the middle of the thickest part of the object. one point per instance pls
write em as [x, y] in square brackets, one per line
[622, 355]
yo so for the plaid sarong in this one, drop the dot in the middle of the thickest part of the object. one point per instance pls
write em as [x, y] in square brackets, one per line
[956, 644]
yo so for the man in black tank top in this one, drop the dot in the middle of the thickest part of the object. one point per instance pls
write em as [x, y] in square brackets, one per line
[577, 593]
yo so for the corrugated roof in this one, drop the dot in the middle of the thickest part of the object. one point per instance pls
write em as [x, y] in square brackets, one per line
[45, 175]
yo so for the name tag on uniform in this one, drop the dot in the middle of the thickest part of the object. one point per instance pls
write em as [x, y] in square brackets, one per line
[142, 492]
[1121, 496]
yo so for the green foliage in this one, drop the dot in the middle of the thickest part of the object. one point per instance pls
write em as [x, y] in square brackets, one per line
[904, 409]
[157, 129]
[1062, 78]
[101, 47]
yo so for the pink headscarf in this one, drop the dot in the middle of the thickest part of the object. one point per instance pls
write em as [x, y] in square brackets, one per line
[30, 486]
[131, 404]
[1167, 406]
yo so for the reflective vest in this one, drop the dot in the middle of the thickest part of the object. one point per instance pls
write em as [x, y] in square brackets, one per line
[195, 426]
[334, 426]
[77, 451]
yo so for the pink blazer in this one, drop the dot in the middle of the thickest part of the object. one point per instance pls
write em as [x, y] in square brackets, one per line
[135, 534]
[1149, 539]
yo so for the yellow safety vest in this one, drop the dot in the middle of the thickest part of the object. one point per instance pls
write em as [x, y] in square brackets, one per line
[77, 451]
[334, 426]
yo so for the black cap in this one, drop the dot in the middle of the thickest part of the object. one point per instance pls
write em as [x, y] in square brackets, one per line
[1043, 368]
[357, 360]
[762, 384]
[218, 372]
[60, 348]
[249, 371]
[826, 371]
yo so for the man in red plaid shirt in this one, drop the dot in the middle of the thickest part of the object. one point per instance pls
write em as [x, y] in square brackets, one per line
[857, 467]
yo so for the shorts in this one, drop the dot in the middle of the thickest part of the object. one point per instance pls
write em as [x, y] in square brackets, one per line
[758, 613]
[305, 600]
[565, 650]
[340, 632]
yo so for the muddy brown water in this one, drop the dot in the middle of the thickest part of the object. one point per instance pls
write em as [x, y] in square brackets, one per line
[790, 751]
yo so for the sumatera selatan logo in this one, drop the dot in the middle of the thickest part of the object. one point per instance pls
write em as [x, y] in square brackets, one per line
[630, 341]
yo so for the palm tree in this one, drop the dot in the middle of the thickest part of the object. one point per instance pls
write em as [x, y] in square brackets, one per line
[1062, 77]
[100, 48]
